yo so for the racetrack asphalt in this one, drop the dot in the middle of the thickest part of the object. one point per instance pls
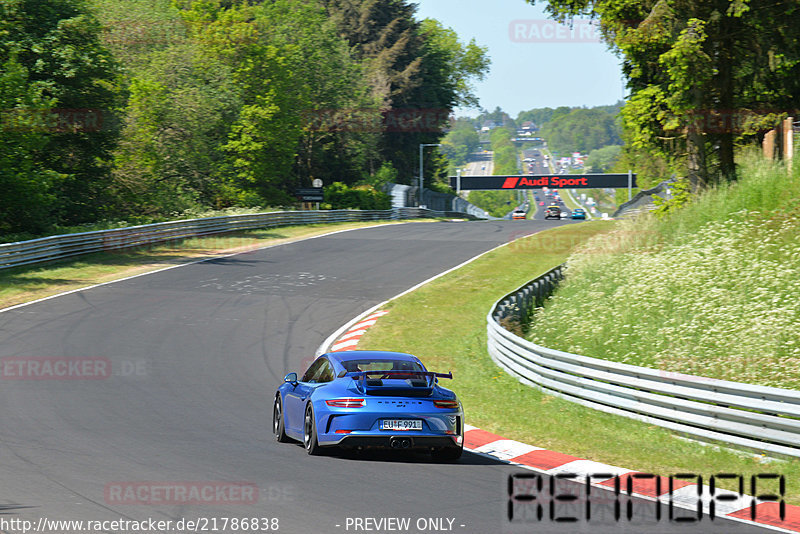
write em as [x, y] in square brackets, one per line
[182, 420]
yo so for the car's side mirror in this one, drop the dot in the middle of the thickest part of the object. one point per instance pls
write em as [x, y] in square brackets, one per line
[291, 377]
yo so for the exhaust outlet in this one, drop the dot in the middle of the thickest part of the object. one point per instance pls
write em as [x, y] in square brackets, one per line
[395, 443]
[406, 443]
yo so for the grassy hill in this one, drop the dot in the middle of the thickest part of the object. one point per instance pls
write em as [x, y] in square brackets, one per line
[711, 290]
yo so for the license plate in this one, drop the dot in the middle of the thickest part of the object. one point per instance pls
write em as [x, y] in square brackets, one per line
[401, 424]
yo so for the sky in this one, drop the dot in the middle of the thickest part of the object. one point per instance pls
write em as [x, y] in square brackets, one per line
[534, 64]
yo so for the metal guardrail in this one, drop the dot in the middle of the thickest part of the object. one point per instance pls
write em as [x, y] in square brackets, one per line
[407, 195]
[760, 418]
[642, 201]
[64, 246]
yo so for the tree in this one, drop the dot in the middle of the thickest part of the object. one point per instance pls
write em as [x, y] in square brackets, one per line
[333, 85]
[692, 65]
[27, 187]
[417, 71]
[364, 197]
[602, 159]
[461, 141]
[498, 116]
[134, 29]
[178, 118]
[582, 130]
[292, 73]
[457, 64]
[58, 44]
[496, 203]
[539, 116]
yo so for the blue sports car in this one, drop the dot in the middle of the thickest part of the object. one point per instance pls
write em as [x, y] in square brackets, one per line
[361, 399]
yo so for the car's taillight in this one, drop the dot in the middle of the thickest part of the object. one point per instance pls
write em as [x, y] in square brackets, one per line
[451, 404]
[345, 403]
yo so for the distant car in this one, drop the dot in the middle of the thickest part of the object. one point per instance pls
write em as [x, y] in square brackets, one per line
[519, 215]
[552, 212]
[565, 215]
[369, 399]
[579, 213]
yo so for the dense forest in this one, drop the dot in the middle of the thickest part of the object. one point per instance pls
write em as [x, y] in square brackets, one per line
[148, 108]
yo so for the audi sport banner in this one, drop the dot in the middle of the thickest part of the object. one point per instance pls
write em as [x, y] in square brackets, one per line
[538, 181]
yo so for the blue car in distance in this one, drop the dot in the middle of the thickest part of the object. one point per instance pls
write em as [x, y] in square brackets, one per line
[579, 213]
[369, 399]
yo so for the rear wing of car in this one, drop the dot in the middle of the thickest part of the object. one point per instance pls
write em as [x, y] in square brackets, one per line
[401, 382]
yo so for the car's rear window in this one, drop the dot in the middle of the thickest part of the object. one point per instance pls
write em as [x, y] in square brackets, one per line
[381, 365]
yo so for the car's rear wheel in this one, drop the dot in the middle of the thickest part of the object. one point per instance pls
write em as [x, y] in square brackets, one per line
[278, 426]
[447, 454]
[310, 433]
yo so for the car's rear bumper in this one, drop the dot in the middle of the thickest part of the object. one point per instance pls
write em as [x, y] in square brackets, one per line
[396, 441]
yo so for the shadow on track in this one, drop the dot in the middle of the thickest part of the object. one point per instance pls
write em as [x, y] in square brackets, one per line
[407, 457]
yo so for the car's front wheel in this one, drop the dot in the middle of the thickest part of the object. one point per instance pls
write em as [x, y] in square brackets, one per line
[278, 426]
[310, 433]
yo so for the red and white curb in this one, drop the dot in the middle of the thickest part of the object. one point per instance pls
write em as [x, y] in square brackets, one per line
[349, 339]
[684, 494]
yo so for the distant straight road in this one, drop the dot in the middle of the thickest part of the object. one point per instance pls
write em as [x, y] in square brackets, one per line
[482, 166]
[180, 428]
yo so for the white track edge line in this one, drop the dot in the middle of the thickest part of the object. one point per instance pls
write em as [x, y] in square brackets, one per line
[16, 306]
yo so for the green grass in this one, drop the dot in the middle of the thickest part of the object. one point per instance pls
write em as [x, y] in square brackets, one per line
[604, 201]
[444, 323]
[764, 187]
[24, 284]
[711, 291]
[569, 201]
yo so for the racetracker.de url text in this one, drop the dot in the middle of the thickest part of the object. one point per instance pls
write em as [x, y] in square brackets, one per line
[149, 525]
